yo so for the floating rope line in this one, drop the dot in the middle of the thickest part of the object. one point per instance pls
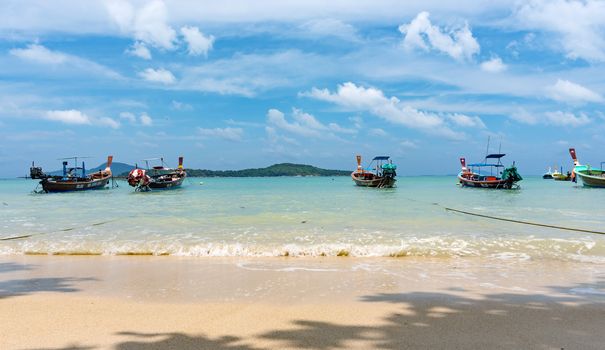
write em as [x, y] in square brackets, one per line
[57, 231]
[520, 221]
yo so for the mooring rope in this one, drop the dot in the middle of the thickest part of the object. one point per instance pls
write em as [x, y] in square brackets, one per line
[57, 231]
[520, 221]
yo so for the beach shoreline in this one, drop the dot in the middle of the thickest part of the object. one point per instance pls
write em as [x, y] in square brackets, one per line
[109, 302]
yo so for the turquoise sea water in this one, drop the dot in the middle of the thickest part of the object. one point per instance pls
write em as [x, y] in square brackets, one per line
[309, 216]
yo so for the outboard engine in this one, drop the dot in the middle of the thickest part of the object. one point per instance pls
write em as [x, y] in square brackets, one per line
[36, 173]
[389, 170]
[138, 178]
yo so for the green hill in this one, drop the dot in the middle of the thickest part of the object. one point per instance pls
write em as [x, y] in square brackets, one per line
[282, 169]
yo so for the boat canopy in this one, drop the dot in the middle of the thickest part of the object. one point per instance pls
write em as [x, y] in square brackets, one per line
[495, 155]
[484, 164]
[381, 158]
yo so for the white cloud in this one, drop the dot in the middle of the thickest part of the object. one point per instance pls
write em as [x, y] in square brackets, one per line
[466, 121]
[148, 24]
[525, 117]
[275, 138]
[139, 49]
[494, 65]
[330, 27]
[378, 132]
[197, 42]
[158, 75]
[228, 133]
[76, 117]
[39, 54]
[557, 118]
[560, 118]
[247, 74]
[181, 106]
[421, 33]
[566, 91]
[145, 120]
[578, 25]
[105, 121]
[277, 119]
[372, 100]
[71, 116]
[408, 144]
[304, 124]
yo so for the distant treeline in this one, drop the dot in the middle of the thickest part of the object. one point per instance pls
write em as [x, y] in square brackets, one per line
[283, 169]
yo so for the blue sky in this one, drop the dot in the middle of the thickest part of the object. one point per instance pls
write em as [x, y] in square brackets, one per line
[237, 84]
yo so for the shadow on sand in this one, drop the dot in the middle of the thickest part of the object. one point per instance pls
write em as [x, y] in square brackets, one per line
[564, 317]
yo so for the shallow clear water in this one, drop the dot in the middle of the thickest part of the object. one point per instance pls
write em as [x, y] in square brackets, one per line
[306, 216]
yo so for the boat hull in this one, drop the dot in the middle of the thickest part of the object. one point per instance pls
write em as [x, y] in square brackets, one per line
[380, 182]
[595, 180]
[492, 184]
[166, 185]
[70, 186]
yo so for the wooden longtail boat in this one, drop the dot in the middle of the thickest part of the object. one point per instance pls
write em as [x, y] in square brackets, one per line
[590, 177]
[70, 180]
[560, 176]
[471, 176]
[157, 177]
[382, 175]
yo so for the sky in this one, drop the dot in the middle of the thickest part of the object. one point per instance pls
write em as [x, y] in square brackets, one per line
[240, 84]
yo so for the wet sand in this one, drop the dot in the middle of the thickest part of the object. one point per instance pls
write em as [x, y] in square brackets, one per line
[98, 302]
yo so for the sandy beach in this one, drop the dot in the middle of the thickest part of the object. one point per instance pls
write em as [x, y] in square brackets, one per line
[98, 302]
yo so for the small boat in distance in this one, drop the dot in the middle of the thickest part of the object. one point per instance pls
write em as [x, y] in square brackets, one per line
[559, 176]
[590, 177]
[548, 175]
[70, 180]
[158, 177]
[381, 173]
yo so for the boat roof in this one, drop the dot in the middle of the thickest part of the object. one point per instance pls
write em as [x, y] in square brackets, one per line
[381, 158]
[495, 155]
[485, 164]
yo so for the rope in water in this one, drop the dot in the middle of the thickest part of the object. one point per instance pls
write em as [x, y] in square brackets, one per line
[63, 230]
[521, 222]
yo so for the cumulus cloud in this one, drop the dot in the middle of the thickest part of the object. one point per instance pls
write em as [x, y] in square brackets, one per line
[466, 121]
[40, 54]
[228, 133]
[567, 91]
[494, 65]
[197, 42]
[161, 75]
[374, 101]
[145, 120]
[140, 50]
[76, 117]
[560, 118]
[148, 24]
[421, 33]
[578, 25]
[71, 116]
[304, 124]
